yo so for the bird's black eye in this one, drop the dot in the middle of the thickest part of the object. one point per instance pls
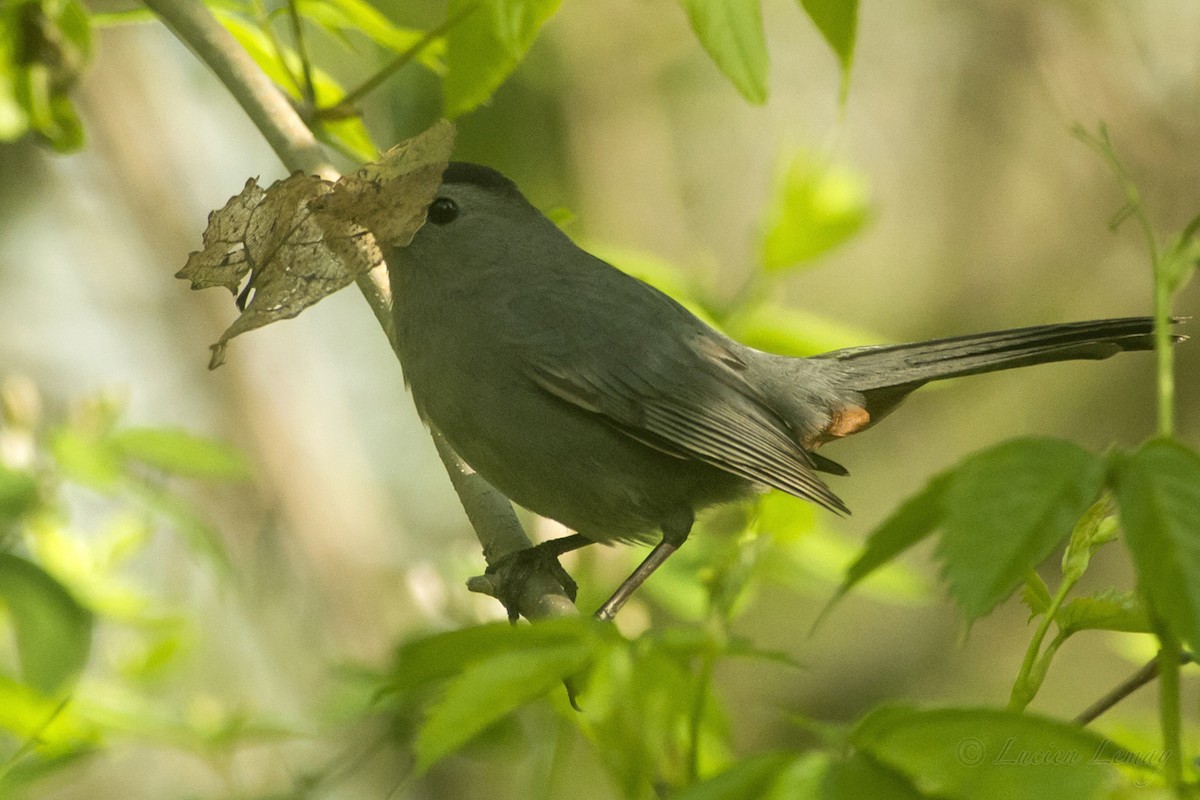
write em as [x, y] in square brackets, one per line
[443, 211]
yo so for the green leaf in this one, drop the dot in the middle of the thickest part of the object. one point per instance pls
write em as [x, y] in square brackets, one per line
[860, 777]
[816, 207]
[487, 45]
[53, 723]
[34, 766]
[125, 16]
[44, 47]
[1002, 511]
[1006, 509]
[750, 777]
[18, 495]
[350, 133]
[640, 702]
[1036, 595]
[732, 33]
[1158, 493]
[1110, 610]
[181, 453]
[430, 659]
[341, 16]
[989, 754]
[1181, 259]
[837, 20]
[814, 776]
[87, 457]
[1096, 528]
[491, 689]
[54, 632]
[918, 517]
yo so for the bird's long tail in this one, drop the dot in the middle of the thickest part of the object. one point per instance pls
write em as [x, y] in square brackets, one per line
[884, 374]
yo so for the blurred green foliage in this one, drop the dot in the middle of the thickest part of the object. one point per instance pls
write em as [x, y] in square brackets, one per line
[44, 46]
[61, 587]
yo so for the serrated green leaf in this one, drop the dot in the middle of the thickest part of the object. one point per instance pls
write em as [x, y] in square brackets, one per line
[1006, 509]
[1111, 610]
[989, 754]
[732, 33]
[487, 45]
[491, 689]
[54, 632]
[837, 20]
[1158, 493]
[816, 206]
[181, 453]
[1035, 594]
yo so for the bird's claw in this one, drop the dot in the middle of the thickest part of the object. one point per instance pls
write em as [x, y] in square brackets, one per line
[510, 574]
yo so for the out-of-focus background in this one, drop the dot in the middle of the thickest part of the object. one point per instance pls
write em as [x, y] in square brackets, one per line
[985, 213]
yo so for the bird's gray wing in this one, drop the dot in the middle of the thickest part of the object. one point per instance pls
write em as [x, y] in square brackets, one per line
[683, 393]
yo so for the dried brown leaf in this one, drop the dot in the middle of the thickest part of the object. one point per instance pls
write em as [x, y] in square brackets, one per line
[292, 258]
[389, 197]
[281, 249]
[223, 262]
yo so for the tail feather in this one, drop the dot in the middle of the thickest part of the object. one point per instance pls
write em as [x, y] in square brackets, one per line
[910, 365]
[884, 375]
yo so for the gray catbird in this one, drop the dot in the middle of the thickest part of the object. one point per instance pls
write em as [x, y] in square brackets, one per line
[591, 398]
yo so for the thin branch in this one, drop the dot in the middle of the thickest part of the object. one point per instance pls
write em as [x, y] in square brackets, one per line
[541, 595]
[490, 513]
[1125, 688]
[263, 18]
[395, 65]
[307, 90]
[269, 110]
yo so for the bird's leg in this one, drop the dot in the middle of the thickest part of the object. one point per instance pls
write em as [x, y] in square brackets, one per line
[563, 544]
[674, 535]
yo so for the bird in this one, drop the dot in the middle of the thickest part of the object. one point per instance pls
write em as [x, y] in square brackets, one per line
[592, 398]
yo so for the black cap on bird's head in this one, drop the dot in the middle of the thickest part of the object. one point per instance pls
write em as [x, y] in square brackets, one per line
[464, 172]
[472, 195]
[476, 213]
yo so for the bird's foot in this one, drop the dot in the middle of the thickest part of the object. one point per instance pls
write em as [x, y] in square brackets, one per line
[510, 575]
